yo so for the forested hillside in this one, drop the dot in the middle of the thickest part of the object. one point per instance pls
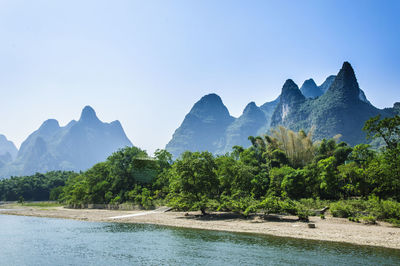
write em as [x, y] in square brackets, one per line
[337, 107]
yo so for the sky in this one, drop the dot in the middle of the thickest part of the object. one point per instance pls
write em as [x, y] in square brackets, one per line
[145, 63]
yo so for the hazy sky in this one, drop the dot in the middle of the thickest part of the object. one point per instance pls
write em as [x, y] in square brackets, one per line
[146, 63]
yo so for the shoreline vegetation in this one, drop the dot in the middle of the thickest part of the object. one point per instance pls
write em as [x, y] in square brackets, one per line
[329, 229]
[284, 174]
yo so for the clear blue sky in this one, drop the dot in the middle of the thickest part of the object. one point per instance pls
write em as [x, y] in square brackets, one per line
[146, 63]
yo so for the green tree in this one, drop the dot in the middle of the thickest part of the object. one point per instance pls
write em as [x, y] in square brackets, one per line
[387, 128]
[194, 182]
[328, 178]
[294, 184]
[352, 180]
[388, 170]
[362, 155]
[276, 178]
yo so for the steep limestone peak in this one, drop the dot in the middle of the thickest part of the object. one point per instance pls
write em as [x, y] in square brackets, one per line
[310, 89]
[346, 73]
[289, 85]
[50, 123]
[309, 82]
[88, 115]
[3, 138]
[49, 127]
[212, 97]
[327, 83]
[210, 105]
[291, 92]
[345, 84]
[7, 146]
[250, 107]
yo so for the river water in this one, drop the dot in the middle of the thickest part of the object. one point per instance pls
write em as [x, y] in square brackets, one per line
[45, 241]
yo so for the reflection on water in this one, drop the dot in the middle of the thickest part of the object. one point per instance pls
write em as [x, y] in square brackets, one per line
[44, 241]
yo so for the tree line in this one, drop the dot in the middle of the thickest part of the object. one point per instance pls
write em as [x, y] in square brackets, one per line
[282, 172]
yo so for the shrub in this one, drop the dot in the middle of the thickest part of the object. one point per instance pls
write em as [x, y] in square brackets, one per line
[270, 205]
[394, 222]
[314, 203]
[369, 219]
[303, 212]
[354, 219]
[288, 206]
[244, 205]
[390, 209]
[342, 210]
[21, 200]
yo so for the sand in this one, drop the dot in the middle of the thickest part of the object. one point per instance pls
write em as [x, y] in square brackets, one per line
[329, 229]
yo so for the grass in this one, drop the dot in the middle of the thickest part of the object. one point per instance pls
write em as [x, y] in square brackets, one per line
[42, 204]
[368, 211]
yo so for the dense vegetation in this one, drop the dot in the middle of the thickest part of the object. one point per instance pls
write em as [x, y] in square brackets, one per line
[284, 172]
[37, 187]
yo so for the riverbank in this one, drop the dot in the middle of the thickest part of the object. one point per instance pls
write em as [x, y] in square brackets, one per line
[329, 229]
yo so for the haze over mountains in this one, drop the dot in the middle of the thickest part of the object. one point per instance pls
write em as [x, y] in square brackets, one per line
[338, 106]
[8, 151]
[76, 146]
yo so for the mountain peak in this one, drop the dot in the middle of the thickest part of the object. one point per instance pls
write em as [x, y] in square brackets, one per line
[7, 146]
[310, 89]
[327, 83]
[211, 98]
[347, 72]
[347, 66]
[88, 114]
[345, 83]
[289, 85]
[3, 138]
[250, 107]
[309, 82]
[291, 92]
[210, 105]
[49, 126]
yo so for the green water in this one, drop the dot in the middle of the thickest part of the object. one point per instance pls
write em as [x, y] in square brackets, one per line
[44, 241]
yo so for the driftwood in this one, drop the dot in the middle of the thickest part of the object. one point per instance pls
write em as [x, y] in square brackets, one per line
[321, 211]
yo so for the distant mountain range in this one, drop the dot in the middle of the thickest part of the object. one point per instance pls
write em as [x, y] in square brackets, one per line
[337, 106]
[76, 146]
[8, 151]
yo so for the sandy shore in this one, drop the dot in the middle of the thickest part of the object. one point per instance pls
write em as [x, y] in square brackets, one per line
[330, 229]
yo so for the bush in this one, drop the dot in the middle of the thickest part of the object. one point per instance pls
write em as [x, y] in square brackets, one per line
[342, 209]
[238, 204]
[367, 210]
[55, 193]
[116, 200]
[369, 219]
[303, 212]
[354, 219]
[21, 200]
[270, 205]
[288, 206]
[303, 215]
[389, 209]
[314, 203]
[394, 222]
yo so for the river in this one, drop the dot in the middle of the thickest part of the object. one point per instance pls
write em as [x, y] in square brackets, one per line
[45, 241]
